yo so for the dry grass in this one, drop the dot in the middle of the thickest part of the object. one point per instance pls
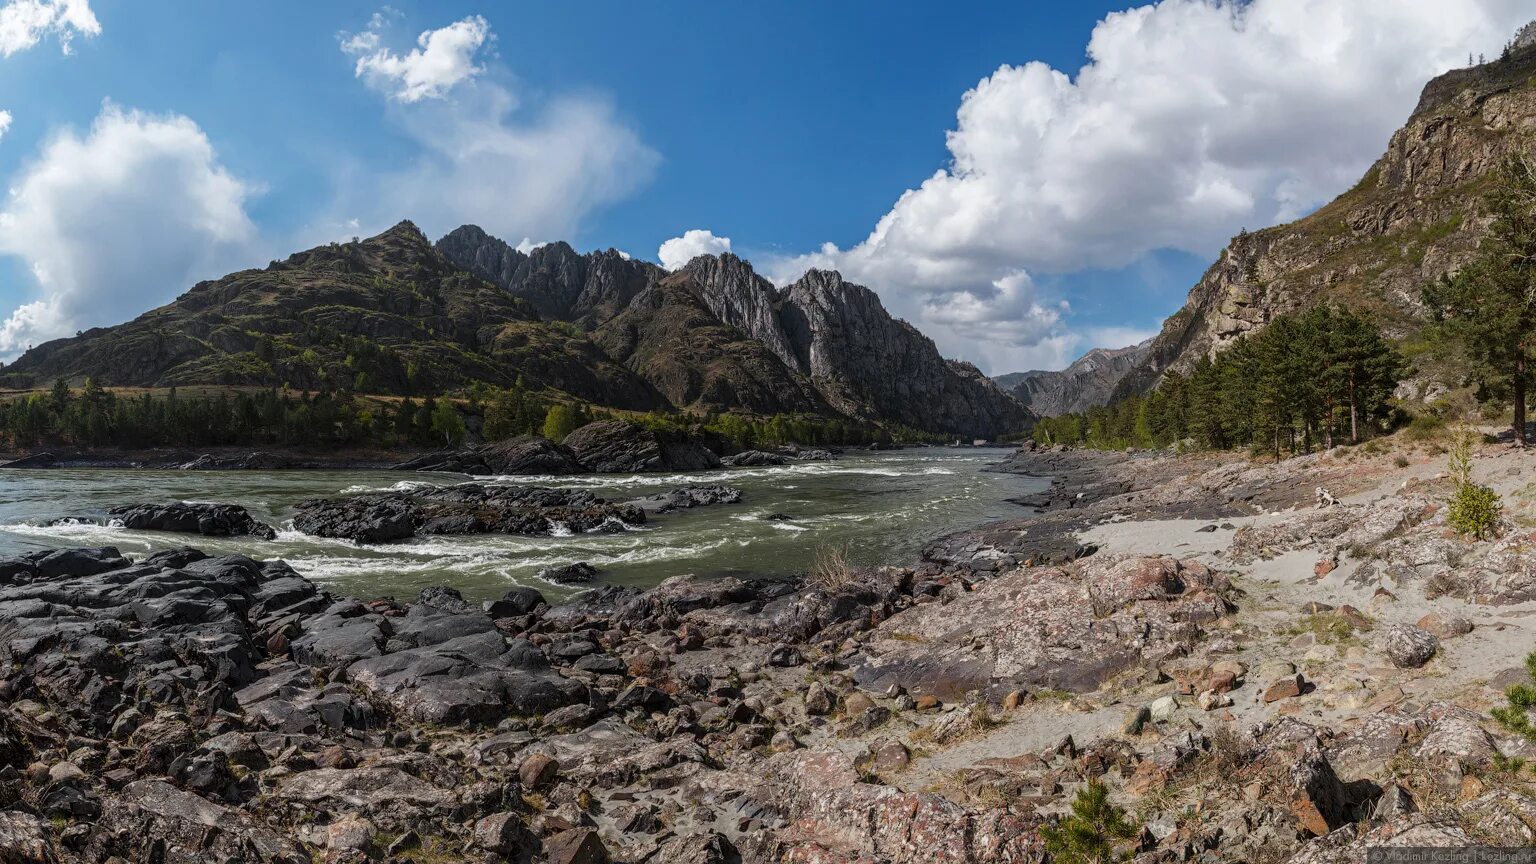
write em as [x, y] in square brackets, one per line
[831, 569]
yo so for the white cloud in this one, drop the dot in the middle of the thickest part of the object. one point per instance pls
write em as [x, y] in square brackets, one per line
[24, 23]
[482, 158]
[1192, 119]
[527, 245]
[442, 59]
[674, 254]
[1118, 337]
[118, 221]
[5, 122]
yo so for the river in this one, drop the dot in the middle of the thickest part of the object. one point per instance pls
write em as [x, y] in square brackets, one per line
[883, 506]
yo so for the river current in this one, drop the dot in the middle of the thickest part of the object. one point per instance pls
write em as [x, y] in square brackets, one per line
[883, 506]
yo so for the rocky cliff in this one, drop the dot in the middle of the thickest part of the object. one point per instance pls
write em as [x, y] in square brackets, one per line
[1413, 216]
[718, 335]
[1088, 383]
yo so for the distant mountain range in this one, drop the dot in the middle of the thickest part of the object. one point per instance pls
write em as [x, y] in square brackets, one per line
[396, 314]
[1087, 383]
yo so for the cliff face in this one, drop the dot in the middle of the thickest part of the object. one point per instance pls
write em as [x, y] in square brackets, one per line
[867, 364]
[716, 334]
[555, 280]
[1087, 383]
[1412, 217]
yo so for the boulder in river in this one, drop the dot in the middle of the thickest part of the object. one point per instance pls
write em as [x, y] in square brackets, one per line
[754, 459]
[688, 497]
[528, 455]
[468, 508]
[570, 574]
[609, 446]
[209, 520]
[36, 460]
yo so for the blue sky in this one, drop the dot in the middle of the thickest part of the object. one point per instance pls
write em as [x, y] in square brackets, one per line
[1081, 196]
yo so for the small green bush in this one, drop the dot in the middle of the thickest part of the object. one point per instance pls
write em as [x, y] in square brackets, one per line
[1522, 698]
[1089, 834]
[1474, 511]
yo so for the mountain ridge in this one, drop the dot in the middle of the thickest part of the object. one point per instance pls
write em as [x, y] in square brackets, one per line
[1088, 382]
[396, 314]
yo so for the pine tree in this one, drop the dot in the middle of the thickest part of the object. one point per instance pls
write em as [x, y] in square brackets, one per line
[1490, 306]
[1089, 835]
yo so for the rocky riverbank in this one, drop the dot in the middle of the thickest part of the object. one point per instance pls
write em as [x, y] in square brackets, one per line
[1255, 677]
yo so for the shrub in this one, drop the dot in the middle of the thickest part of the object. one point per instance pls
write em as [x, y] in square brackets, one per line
[1474, 509]
[831, 569]
[1090, 833]
[1522, 698]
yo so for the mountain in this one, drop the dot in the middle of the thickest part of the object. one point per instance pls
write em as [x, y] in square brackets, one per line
[387, 315]
[396, 314]
[1412, 217]
[833, 346]
[1088, 383]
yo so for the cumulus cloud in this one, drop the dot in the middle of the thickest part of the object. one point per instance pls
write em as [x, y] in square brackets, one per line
[674, 254]
[482, 157]
[5, 122]
[118, 220]
[441, 59]
[1191, 119]
[24, 23]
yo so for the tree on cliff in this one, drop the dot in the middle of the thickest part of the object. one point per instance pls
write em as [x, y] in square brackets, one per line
[1489, 308]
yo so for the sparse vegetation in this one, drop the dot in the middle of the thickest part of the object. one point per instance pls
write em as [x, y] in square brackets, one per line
[1093, 831]
[1516, 716]
[830, 570]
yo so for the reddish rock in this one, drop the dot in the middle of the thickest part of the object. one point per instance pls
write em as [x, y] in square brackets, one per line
[576, 846]
[1288, 687]
[537, 770]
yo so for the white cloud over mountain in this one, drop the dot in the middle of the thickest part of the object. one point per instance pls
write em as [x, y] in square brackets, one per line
[482, 157]
[441, 60]
[119, 220]
[675, 253]
[24, 23]
[1191, 119]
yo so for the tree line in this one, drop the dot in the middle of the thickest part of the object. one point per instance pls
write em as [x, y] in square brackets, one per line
[92, 416]
[1307, 379]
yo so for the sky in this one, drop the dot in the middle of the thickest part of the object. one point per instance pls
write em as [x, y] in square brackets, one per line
[1021, 180]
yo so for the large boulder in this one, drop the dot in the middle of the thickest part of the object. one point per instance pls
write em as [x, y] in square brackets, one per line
[1059, 628]
[1408, 647]
[468, 508]
[209, 520]
[528, 455]
[610, 446]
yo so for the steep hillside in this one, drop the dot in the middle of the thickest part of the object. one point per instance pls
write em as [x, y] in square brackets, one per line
[671, 339]
[387, 315]
[1413, 216]
[1087, 383]
[721, 336]
[867, 364]
[555, 280]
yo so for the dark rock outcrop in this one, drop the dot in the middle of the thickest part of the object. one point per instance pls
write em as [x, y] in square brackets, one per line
[610, 446]
[209, 520]
[469, 508]
[528, 455]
